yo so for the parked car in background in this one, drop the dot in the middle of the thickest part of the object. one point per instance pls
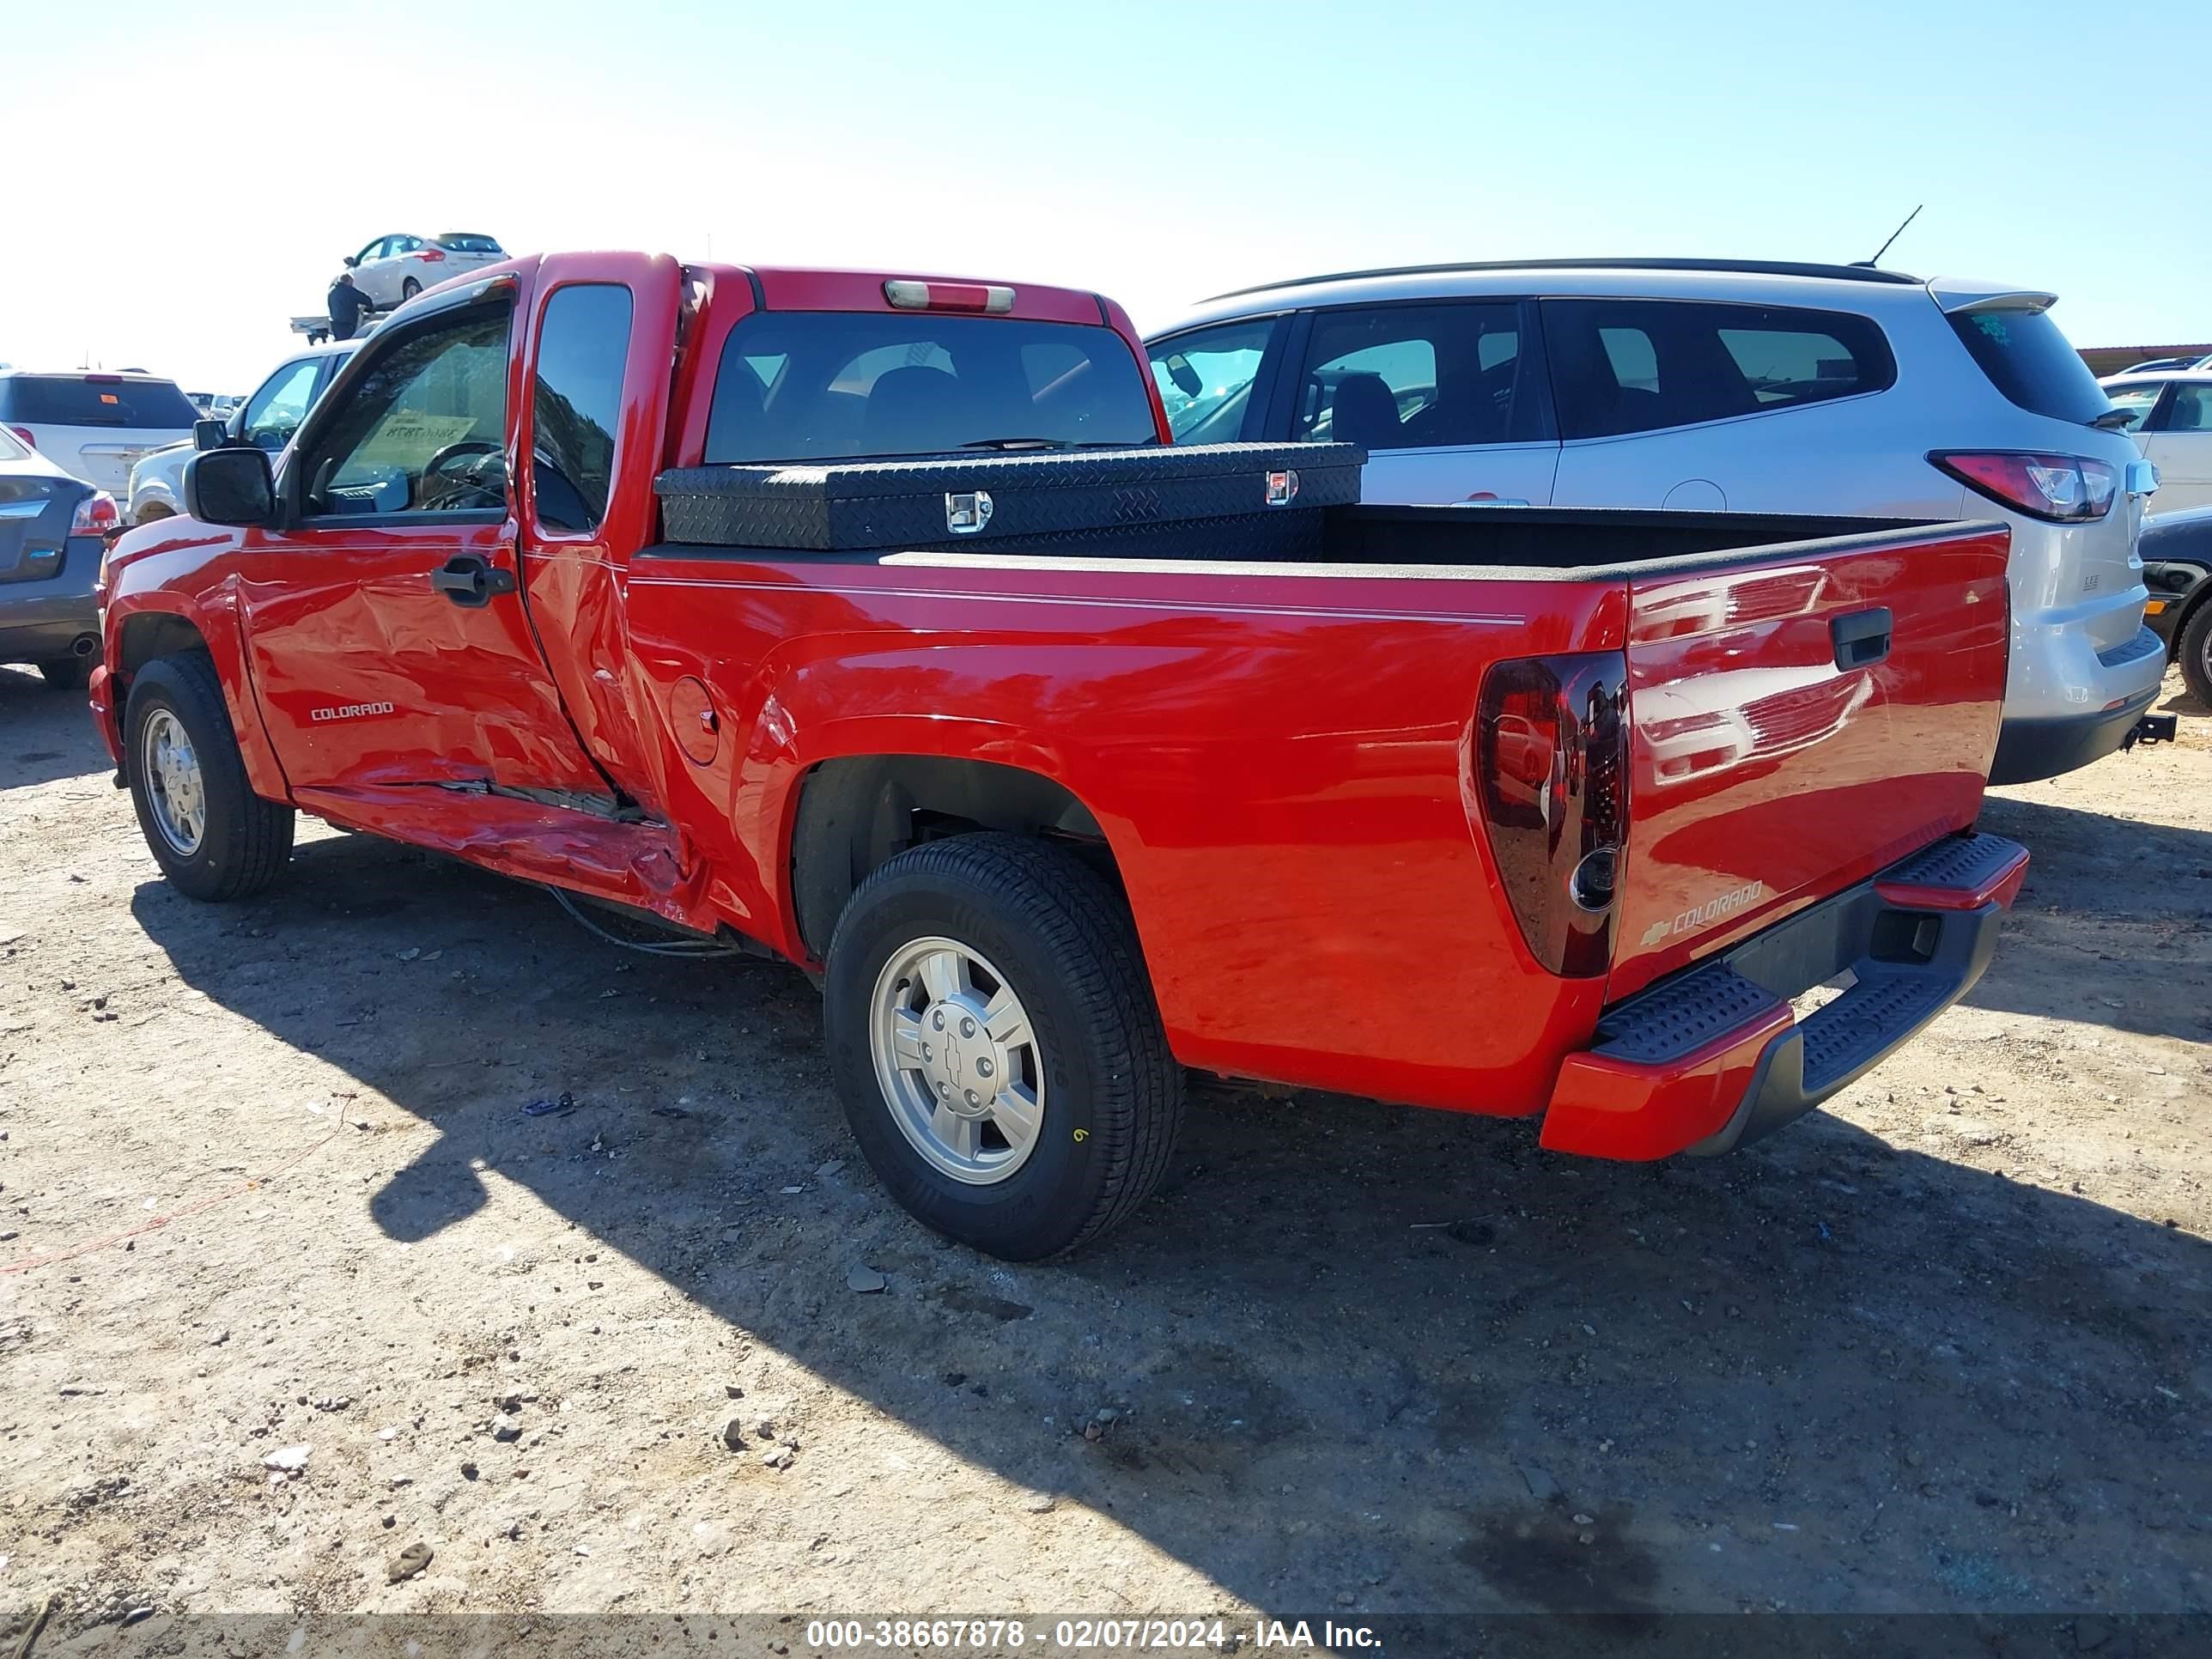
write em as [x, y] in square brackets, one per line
[2156, 363]
[2177, 554]
[53, 532]
[94, 426]
[266, 419]
[2170, 418]
[394, 268]
[1723, 386]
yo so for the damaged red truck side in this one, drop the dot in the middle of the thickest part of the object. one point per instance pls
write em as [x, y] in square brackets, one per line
[1513, 811]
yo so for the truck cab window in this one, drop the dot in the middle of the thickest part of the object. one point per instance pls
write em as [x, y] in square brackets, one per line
[575, 404]
[425, 427]
[823, 385]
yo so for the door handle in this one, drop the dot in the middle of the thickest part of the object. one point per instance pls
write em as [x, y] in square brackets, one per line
[470, 580]
[1861, 639]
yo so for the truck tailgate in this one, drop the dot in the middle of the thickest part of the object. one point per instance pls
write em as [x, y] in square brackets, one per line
[1797, 723]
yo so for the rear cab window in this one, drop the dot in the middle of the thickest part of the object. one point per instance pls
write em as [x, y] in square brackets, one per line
[815, 386]
[583, 346]
[1624, 366]
[2028, 357]
[94, 400]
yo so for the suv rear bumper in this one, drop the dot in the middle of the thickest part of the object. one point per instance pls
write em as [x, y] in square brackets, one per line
[2030, 751]
[2067, 703]
[1713, 1057]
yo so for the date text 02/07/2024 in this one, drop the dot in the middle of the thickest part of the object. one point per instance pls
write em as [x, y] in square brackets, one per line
[1086, 1635]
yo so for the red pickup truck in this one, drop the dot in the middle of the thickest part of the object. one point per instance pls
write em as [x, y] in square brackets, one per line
[1505, 810]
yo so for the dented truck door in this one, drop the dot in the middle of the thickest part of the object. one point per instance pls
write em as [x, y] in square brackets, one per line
[390, 646]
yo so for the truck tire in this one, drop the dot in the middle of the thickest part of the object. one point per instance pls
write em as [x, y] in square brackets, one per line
[67, 673]
[2196, 653]
[995, 1042]
[214, 838]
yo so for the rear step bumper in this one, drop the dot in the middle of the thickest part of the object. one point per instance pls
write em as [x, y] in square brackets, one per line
[1713, 1057]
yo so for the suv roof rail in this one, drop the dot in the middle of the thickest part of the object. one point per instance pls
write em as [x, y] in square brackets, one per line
[1856, 273]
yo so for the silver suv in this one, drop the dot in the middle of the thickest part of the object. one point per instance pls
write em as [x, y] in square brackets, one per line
[1717, 385]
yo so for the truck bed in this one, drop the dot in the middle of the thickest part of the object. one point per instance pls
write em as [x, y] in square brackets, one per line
[1285, 758]
[1517, 542]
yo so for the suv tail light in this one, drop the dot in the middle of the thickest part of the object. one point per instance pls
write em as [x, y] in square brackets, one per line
[2061, 489]
[24, 433]
[1552, 775]
[95, 515]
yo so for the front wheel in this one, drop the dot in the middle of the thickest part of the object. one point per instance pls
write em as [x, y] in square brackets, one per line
[996, 1045]
[2196, 654]
[214, 838]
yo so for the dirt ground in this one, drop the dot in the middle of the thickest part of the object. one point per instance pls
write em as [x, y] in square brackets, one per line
[267, 1182]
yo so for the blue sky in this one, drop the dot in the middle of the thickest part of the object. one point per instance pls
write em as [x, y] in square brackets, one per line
[204, 167]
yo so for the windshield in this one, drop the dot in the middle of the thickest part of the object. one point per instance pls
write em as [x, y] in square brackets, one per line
[812, 385]
[465, 242]
[2028, 357]
[94, 400]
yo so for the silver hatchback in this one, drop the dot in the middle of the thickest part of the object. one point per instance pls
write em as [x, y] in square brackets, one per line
[1710, 385]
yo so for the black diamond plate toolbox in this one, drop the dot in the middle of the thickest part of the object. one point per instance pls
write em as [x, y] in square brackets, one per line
[841, 507]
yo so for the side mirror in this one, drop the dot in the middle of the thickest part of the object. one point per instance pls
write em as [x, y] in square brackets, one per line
[351, 260]
[230, 486]
[209, 434]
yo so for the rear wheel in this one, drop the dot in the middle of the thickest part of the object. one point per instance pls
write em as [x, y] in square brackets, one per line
[996, 1046]
[152, 511]
[2196, 653]
[409, 290]
[68, 673]
[214, 838]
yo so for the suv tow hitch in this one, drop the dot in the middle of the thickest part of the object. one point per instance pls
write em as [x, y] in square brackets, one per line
[2151, 728]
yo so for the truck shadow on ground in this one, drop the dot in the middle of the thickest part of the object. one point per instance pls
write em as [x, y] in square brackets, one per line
[1358, 1355]
[45, 734]
[2113, 926]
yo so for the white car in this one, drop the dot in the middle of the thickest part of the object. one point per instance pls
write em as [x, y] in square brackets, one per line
[95, 427]
[392, 270]
[1711, 385]
[266, 419]
[2170, 418]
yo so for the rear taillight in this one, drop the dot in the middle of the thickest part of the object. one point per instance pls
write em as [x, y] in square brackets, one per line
[2062, 488]
[26, 435]
[95, 515]
[1550, 759]
[972, 297]
[430, 256]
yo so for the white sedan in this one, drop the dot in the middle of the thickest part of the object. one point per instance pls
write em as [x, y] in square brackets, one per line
[394, 268]
[2170, 418]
